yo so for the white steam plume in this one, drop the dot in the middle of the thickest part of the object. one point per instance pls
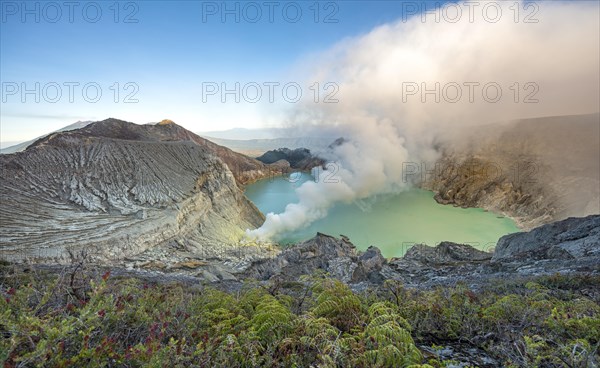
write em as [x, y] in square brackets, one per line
[554, 61]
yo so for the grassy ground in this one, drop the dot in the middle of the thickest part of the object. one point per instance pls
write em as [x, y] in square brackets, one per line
[87, 319]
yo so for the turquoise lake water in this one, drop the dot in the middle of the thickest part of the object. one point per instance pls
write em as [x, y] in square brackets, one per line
[393, 222]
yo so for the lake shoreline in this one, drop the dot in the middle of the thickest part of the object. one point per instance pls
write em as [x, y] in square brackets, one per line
[392, 222]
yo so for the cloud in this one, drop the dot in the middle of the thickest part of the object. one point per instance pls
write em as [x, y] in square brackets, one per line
[405, 83]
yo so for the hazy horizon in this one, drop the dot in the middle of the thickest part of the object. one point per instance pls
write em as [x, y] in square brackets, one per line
[209, 48]
[166, 53]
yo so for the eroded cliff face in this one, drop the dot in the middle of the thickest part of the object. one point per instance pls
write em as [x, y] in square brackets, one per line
[245, 169]
[498, 186]
[535, 171]
[115, 191]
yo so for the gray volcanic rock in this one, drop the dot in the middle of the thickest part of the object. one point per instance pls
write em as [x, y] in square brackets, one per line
[568, 239]
[338, 257]
[114, 190]
[445, 253]
[569, 246]
[446, 263]
[422, 267]
[299, 158]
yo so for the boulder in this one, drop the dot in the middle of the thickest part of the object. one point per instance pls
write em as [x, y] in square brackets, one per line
[338, 257]
[572, 238]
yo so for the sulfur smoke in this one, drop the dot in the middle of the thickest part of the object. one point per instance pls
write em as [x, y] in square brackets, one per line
[405, 83]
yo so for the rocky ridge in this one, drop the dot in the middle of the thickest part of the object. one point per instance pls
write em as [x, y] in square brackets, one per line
[114, 190]
[568, 246]
[535, 171]
[571, 246]
[245, 169]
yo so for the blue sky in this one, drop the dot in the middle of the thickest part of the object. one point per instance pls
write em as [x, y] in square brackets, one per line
[166, 51]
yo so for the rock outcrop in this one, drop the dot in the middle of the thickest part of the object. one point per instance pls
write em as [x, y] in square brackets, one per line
[114, 190]
[299, 158]
[569, 246]
[536, 170]
[338, 257]
[573, 238]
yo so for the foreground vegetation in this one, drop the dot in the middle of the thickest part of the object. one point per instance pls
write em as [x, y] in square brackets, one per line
[74, 319]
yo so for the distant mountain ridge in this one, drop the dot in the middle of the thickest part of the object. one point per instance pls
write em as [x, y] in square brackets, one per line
[257, 147]
[255, 142]
[246, 134]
